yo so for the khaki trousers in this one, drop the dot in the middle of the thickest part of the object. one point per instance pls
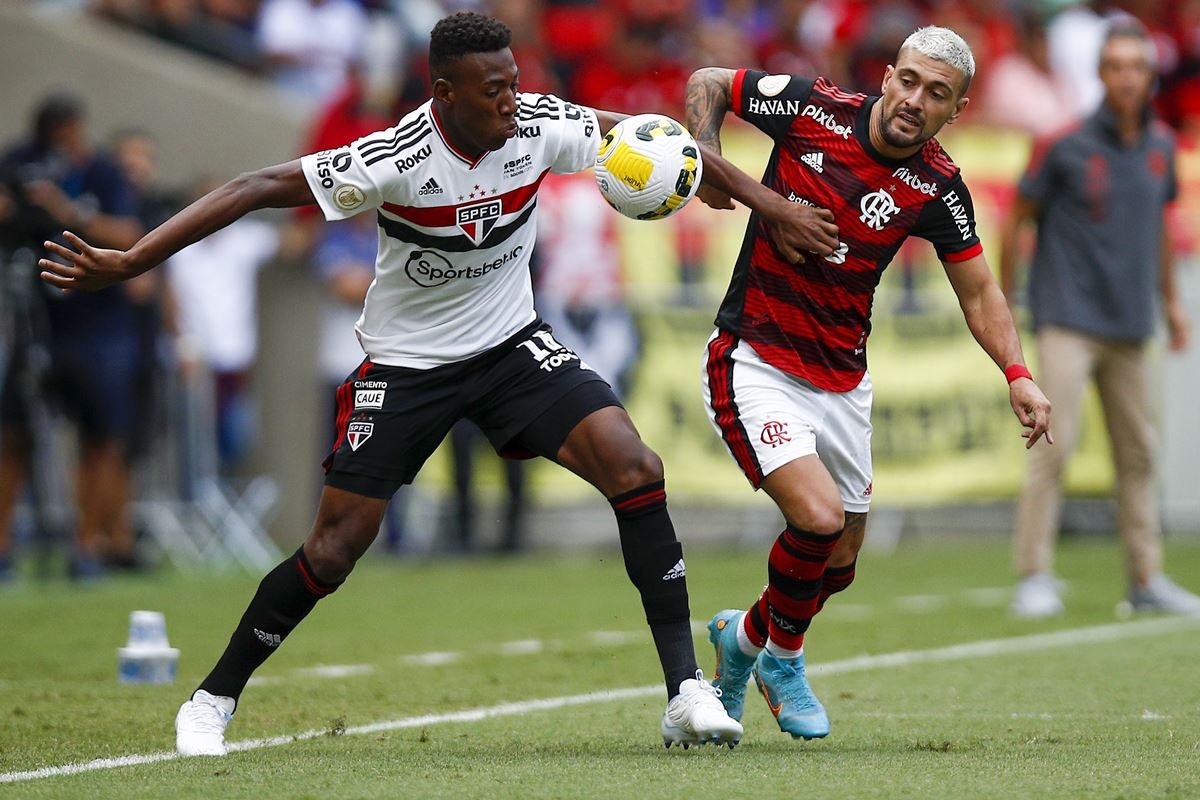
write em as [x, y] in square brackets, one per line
[1067, 360]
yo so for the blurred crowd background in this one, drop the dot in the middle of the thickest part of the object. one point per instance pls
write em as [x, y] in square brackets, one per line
[199, 475]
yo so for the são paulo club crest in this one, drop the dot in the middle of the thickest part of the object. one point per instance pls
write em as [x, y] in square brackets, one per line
[358, 432]
[478, 219]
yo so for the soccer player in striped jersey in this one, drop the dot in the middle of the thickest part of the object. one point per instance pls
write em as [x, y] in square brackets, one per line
[786, 376]
[450, 331]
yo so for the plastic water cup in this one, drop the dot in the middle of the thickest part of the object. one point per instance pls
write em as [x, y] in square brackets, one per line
[147, 657]
[147, 629]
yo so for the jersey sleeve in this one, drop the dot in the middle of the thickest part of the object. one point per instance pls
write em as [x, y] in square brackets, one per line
[1040, 178]
[572, 132]
[341, 182]
[949, 223]
[770, 103]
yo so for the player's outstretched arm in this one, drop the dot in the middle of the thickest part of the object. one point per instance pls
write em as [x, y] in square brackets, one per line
[87, 268]
[986, 311]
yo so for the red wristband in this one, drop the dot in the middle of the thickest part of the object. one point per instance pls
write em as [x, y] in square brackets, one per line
[1014, 371]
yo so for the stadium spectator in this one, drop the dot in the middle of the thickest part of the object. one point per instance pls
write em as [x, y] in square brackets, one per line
[57, 178]
[215, 285]
[1099, 196]
[786, 378]
[450, 332]
[1021, 91]
[310, 45]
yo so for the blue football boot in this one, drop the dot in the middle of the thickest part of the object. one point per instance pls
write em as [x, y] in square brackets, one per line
[733, 666]
[790, 698]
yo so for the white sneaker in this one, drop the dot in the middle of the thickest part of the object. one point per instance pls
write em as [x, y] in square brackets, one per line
[1163, 594]
[200, 724]
[1037, 597]
[696, 716]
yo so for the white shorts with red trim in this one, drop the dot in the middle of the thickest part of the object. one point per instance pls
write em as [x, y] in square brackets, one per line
[768, 418]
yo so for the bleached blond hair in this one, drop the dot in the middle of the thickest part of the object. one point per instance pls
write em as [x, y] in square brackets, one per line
[943, 44]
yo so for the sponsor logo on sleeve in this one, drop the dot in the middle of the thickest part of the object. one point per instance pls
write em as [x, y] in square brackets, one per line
[328, 161]
[959, 211]
[773, 108]
[348, 197]
[771, 85]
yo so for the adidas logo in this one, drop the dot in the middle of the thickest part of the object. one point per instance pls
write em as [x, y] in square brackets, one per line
[430, 187]
[269, 639]
[815, 160]
[677, 571]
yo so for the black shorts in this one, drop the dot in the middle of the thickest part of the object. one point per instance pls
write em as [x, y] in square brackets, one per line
[526, 394]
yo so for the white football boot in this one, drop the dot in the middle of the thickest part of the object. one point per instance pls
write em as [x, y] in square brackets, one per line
[696, 716]
[200, 724]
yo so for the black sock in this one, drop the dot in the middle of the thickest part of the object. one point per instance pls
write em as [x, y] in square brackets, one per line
[654, 562]
[284, 598]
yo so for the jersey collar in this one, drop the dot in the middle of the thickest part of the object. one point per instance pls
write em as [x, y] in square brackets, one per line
[460, 155]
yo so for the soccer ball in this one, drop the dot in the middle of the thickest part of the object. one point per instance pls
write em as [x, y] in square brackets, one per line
[648, 166]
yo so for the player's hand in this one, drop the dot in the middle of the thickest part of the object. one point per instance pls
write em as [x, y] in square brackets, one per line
[1179, 330]
[85, 268]
[714, 198]
[797, 229]
[1032, 409]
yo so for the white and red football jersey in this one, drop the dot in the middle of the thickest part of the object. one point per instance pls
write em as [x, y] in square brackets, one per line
[455, 234]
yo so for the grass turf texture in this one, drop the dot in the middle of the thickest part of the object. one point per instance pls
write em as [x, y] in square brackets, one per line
[1062, 722]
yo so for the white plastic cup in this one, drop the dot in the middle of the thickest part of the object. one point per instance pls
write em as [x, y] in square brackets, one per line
[147, 629]
[147, 657]
[147, 665]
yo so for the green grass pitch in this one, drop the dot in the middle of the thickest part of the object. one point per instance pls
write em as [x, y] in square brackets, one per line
[1111, 710]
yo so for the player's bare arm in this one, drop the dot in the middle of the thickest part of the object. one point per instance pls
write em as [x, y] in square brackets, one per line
[987, 315]
[89, 268]
[794, 228]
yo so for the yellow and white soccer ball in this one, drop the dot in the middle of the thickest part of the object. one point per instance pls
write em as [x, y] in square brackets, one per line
[648, 166]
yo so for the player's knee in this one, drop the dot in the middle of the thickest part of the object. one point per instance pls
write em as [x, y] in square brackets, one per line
[637, 469]
[334, 547]
[821, 518]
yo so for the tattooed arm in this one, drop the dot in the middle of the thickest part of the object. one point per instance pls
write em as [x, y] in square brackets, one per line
[709, 96]
[793, 228]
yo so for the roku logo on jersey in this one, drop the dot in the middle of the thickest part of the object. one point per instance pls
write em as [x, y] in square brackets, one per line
[914, 181]
[405, 164]
[826, 120]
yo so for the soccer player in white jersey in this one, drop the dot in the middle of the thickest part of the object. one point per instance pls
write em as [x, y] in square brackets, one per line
[450, 331]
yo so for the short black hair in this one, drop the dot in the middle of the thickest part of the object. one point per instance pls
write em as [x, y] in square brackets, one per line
[56, 110]
[461, 35]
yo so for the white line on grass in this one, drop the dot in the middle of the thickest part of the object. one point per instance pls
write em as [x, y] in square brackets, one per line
[903, 658]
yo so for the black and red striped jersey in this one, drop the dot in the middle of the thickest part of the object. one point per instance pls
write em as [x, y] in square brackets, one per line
[812, 319]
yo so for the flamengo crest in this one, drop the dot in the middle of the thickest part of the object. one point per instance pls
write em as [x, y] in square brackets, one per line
[878, 208]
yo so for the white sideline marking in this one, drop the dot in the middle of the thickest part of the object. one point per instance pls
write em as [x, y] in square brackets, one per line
[903, 658]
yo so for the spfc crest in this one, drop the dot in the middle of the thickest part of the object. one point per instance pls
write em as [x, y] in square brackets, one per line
[358, 433]
[478, 219]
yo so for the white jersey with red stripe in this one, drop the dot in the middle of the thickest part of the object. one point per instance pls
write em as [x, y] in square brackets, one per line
[455, 233]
